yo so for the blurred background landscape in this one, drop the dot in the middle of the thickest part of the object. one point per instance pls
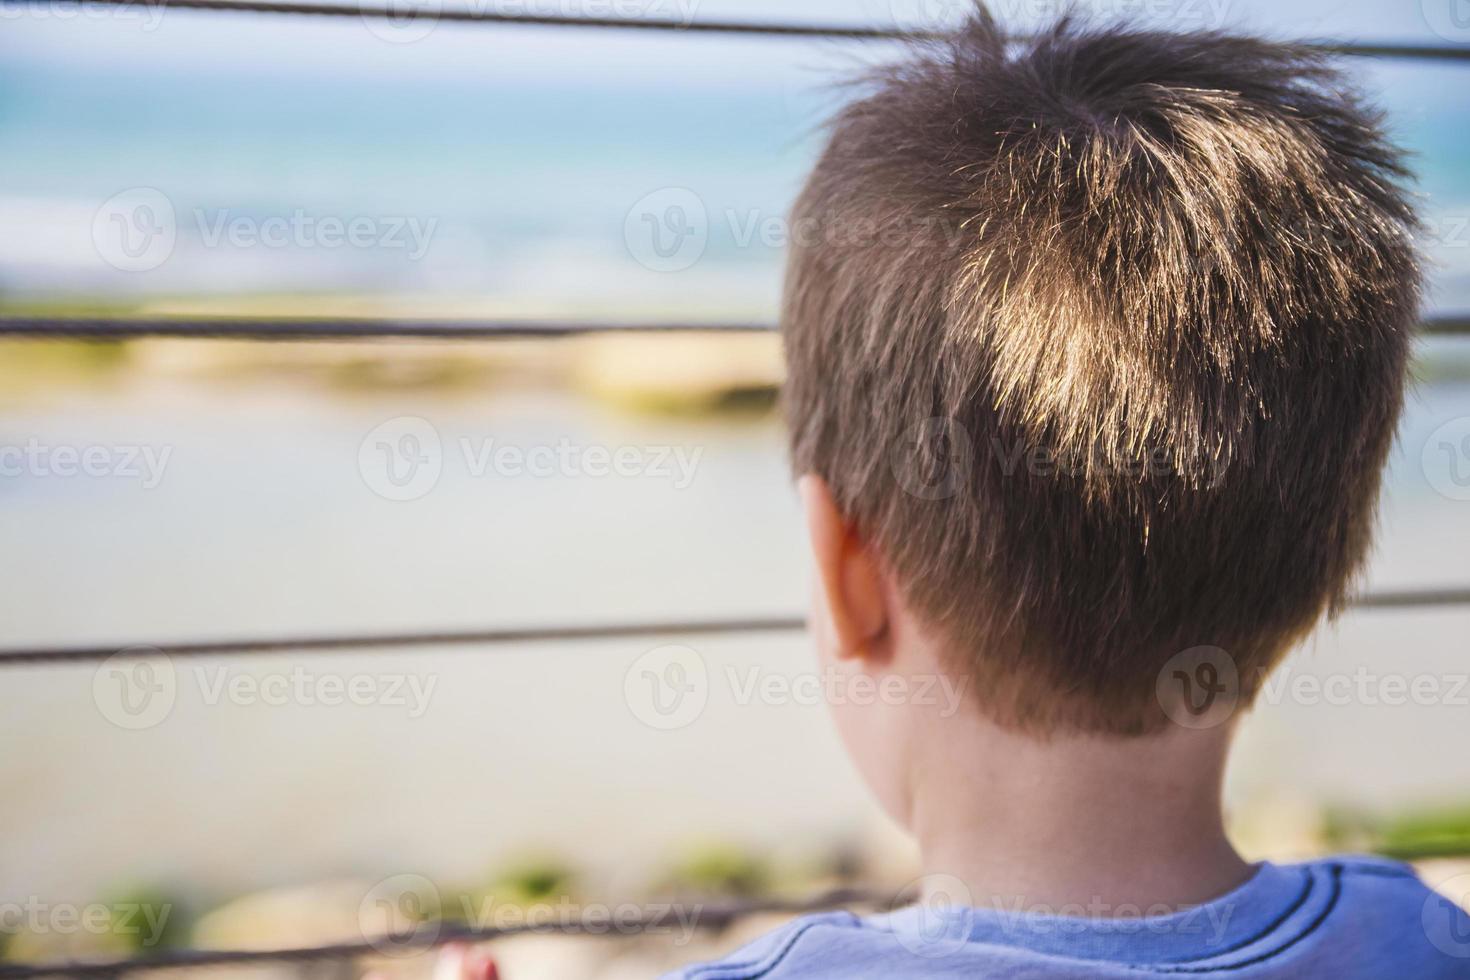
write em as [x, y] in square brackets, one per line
[507, 172]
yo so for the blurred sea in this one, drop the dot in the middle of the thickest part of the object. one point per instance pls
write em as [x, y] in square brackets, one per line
[530, 189]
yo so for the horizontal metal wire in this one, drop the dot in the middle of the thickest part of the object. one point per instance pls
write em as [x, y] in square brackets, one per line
[385, 641]
[329, 328]
[701, 916]
[1413, 599]
[372, 328]
[856, 32]
[19, 657]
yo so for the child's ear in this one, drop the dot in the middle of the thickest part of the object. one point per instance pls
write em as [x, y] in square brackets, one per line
[848, 572]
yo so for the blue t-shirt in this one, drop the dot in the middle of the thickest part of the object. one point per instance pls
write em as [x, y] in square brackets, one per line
[1345, 918]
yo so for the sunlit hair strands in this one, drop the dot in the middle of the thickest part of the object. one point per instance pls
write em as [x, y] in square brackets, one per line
[1101, 338]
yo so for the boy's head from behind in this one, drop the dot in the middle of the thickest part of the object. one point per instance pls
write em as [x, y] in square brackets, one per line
[1096, 346]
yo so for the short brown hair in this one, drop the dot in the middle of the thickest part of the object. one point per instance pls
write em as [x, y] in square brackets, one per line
[1101, 339]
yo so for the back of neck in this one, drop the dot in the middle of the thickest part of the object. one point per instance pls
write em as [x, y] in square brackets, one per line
[1098, 826]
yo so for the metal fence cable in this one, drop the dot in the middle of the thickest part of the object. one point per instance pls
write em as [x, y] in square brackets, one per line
[26, 656]
[434, 13]
[390, 641]
[333, 328]
[370, 328]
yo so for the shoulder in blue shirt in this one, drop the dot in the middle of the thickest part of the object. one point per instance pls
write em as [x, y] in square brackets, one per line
[1347, 918]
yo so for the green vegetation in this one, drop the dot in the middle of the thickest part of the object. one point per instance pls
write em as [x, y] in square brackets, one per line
[721, 869]
[530, 881]
[1408, 837]
[149, 920]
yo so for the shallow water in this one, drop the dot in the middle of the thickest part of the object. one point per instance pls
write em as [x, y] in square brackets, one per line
[264, 524]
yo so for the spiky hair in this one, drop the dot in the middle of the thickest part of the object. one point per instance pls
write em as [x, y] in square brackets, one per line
[1101, 339]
